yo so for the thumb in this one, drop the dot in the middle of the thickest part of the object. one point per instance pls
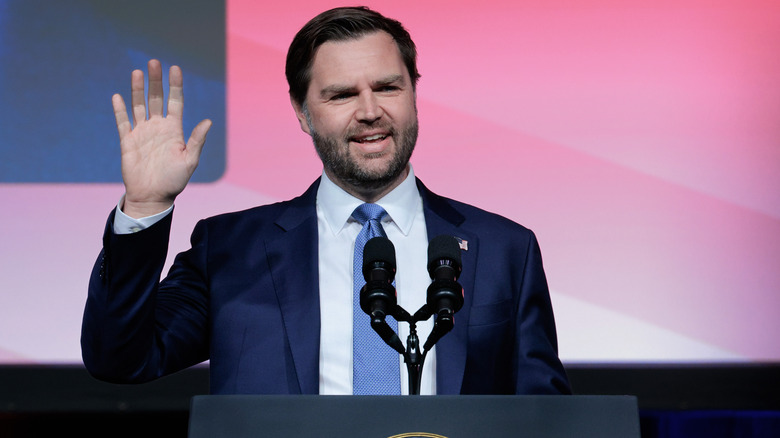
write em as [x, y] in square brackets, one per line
[198, 139]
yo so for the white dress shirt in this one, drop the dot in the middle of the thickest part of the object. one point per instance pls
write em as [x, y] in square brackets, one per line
[404, 226]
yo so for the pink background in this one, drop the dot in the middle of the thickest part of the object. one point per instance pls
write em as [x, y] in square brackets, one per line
[639, 140]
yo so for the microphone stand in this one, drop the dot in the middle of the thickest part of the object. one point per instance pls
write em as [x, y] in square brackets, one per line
[414, 358]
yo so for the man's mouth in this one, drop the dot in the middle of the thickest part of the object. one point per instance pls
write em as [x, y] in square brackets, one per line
[370, 139]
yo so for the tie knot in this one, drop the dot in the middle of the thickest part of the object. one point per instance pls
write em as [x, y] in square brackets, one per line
[368, 212]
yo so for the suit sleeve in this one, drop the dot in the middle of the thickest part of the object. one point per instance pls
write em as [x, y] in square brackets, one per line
[135, 329]
[539, 370]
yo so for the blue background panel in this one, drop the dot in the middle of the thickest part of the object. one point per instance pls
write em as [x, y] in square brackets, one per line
[60, 62]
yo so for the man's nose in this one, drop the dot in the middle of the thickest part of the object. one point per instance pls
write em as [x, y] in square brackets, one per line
[369, 109]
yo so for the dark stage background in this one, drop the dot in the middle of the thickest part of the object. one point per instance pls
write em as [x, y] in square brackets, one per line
[713, 401]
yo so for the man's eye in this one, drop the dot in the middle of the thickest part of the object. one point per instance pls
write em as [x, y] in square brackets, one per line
[340, 96]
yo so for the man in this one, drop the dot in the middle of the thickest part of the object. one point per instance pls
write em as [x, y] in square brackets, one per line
[266, 294]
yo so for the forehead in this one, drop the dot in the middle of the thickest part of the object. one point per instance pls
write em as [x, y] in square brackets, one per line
[347, 62]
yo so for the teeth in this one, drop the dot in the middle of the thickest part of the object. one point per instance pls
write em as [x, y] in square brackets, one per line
[372, 138]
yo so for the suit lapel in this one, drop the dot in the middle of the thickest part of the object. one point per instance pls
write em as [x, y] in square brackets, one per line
[442, 218]
[293, 261]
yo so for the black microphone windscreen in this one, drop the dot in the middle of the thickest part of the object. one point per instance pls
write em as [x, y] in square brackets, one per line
[443, 247]
[378, 249]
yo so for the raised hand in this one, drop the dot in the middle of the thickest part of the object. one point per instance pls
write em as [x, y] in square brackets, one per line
[156, 161]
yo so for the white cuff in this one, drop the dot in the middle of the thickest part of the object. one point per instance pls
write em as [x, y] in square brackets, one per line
[124, 224]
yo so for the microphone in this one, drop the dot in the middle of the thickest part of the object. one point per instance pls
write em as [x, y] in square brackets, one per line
[445, 294]
[377, 297]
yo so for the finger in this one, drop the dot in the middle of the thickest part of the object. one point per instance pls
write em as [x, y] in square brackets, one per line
[175, 93]
[120, 114]
[197, 140]
[137, 96]
[155, 88]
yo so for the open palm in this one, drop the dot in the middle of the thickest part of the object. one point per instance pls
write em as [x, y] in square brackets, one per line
[156, 161]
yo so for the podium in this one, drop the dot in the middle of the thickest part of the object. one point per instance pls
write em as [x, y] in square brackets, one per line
[458, 416]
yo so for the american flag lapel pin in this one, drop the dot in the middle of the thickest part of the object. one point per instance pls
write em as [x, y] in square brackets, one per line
[462, 243]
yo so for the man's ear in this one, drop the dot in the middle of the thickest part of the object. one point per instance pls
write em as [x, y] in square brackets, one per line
[300, 115]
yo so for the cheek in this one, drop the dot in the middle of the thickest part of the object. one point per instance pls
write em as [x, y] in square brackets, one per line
[331, 122]
[403, 112]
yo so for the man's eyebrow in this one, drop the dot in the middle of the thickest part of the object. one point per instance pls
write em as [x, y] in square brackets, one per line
[389, 80]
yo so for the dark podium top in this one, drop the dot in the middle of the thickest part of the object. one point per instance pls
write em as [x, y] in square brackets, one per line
[459, 416]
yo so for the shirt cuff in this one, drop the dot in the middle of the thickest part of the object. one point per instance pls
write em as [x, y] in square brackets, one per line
[124, 224]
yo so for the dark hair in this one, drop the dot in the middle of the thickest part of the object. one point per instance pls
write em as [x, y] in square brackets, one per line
[342, 24]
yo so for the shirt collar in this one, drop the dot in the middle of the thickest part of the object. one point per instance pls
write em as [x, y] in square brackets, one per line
[401, 204]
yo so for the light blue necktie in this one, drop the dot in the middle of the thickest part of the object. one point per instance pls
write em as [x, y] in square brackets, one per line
[375, 366]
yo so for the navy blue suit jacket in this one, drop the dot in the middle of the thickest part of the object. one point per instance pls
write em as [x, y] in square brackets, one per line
[246, 297]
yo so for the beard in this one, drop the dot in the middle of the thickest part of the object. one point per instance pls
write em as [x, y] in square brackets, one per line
[338, 160]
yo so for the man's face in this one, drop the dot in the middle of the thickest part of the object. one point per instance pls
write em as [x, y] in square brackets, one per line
[360, 111]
